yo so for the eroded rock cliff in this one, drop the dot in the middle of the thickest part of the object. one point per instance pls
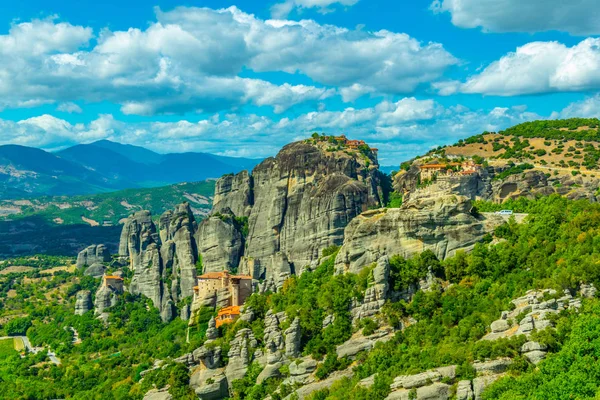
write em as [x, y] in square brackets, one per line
[297, 203]
[436, 221]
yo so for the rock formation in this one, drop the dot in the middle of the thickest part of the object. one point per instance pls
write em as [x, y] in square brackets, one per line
[156, 262]
[93, 254]
[220, 242]
[105, 297]
[436, 221]
[234, 192]
[297, 204]
[83, 303]
[293, 335]
[96, 270]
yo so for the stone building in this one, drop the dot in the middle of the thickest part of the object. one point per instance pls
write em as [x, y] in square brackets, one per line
[114, 282]
[227, 315]
[430, 171]
[239, 287]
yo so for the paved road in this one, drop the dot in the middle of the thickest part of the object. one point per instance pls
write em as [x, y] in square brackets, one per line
[34, 350]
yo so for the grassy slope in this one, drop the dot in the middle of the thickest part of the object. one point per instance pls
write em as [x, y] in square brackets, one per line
[563, 146]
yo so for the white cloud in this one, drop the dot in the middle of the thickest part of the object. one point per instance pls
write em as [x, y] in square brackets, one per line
[282, 10]
[69, 107]
[578, 17]
[351, 93]
[587, 108]
[399, 129]
[537, 67]
[190, 59]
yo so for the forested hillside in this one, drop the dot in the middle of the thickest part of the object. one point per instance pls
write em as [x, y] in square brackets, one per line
[555, 248]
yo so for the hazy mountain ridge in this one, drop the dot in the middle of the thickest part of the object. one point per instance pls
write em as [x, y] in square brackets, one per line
[103, 166]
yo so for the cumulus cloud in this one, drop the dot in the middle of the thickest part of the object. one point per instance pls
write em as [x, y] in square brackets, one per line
[579, 17]
[69, 107]
[399, 129]
[282, 10]
[191, 60]
[537, 67]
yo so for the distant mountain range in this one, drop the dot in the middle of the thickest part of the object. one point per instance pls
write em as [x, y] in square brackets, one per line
[104, 166]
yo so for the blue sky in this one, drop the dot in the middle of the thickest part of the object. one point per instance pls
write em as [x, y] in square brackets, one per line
[243, 78]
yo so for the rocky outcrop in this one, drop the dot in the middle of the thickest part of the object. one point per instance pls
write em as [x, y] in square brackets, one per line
[274, 346]
[293, 335]
[106, 297]
[83, 303]
[177, 229]
[535, 310]
[298, 203]
[96, 253]
[163, 260]
[534, 351]
[234, 192]
[432, 221]
[464, 390]
[376, 294]
[359, 343]
[220, 242]
[211, 332]
[301, 370]
[241, 354]
[158, 394]
[95, 270]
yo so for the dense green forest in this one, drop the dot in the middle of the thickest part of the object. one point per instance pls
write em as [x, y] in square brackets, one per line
[558, 247]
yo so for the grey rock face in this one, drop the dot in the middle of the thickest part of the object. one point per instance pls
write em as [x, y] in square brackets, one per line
[105, 297]
[240, 354]
[492, 367]
[220, 242]
[92, 255]
[157, 256]
[300, 371]
[464, 391]
[358, 343]
[216, 390]
[424, 378]
[234, 192]
[83, 303]
[433, 221]
[96, 270]
[212, 333]
[292, 339]
[534, 351]
[180, 231]
[500, 325]
[297, 204]
[376, 294]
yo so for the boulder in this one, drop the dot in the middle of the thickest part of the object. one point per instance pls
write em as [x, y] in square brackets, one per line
[216, 388]
[95, 270]
[500, 325]
[492, 367]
